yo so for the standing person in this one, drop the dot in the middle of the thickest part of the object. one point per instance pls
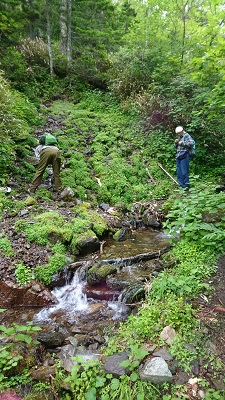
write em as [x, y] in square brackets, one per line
[48, 154]
[183, 145]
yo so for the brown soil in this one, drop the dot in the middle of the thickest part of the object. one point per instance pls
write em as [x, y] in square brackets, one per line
[212, 310]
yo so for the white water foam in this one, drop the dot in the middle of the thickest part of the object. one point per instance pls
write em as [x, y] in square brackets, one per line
[71, 298]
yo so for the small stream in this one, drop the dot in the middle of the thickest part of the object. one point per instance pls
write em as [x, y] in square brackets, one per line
[82, 306]
[79, 302]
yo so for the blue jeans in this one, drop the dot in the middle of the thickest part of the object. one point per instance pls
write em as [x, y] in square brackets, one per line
[183, 171]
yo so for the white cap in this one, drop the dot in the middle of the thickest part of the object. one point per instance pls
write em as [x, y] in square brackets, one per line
[179, 129]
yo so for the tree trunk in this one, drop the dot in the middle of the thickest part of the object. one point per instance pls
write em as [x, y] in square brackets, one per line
[65, 30]
[63, 27]
[69, 40]
[49, 38]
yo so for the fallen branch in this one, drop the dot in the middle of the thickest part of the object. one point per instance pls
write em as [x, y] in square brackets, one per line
[150, 177]
[139, 257]
[101, 246]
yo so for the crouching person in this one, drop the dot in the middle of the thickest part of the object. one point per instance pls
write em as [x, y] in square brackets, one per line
[48, 154]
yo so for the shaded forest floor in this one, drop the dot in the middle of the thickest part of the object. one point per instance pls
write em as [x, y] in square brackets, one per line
[212, 310]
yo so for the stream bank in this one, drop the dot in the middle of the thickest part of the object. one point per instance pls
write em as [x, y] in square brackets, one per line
[85, 333]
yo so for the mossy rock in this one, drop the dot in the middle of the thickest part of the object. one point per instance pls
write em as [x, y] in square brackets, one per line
[99, 272]
[84, 243]
[30, 201]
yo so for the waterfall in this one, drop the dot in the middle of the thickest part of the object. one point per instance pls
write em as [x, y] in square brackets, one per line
[71, 298]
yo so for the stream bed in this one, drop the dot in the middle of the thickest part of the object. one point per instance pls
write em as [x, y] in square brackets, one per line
[81, 306]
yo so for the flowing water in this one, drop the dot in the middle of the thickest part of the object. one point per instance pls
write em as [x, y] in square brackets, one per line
[80, 304]
[71, 298]
[77, 301]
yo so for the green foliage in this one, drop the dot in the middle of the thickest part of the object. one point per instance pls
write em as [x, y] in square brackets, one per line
[86, 379]
[199, 217]
[133, 362]
[23, 274]
[47, 225]
[5, 246]
[18, 333]
[156, 314]
[98, 223]
[16, 115]
[45, 272]
[89, 381]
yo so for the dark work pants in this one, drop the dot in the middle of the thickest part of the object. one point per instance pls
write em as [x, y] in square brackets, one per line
[183, 171]
[49, 156]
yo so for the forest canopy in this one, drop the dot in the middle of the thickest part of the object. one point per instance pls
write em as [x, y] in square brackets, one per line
[161, 60]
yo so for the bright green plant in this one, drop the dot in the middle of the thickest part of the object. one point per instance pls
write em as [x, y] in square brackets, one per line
[156, 314]
[89, 381]
[86, 379]
[199, 217]
[98, 223]
[46, 224]
[23, 274]
[17, 333]
[132, 363]
[45, 272]
[5, 246]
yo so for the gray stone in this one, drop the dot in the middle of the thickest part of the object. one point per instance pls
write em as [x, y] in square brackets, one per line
[112, 364]
[168, 334]
[23, 212]
[156, 371]
[51, 339]
[67, 353]
[182, 378]
[67, 194]
[164, 354]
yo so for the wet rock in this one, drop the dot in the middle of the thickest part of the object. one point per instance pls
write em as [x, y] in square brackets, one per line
[131, 275]
[9, 395]
[94, 308]
[112, 364]
[87, 341]
[182, 377]
[123, 234]
[195, 368]
[43, 373]
[219, 384]
[69, 351]
[65, 355]
[34, 295]
[99, 271]
[104, 206]
[85, 245]
[52, 339]
[101, 292]
[150, 220]
[156, 371]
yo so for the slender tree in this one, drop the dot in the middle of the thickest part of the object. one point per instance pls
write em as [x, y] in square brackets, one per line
[49, 38]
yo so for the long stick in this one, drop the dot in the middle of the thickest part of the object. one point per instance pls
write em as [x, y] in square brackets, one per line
[167, 173]
[150, 177]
